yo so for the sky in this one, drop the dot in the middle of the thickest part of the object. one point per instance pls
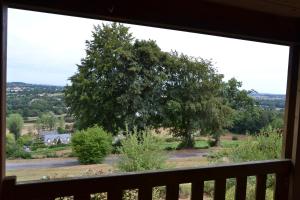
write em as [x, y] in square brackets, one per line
[45, 48]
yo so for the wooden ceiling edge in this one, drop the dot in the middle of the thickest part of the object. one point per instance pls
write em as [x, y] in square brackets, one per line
[226, 21]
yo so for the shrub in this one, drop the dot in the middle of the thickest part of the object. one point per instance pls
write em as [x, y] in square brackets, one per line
[14, 124]
[141, 151]
[25, 140]
[20, 153]
[117, 142]
[91, 145]
[265, 146]
[10, 144]
[15, 150]
[37, 144]
[61, 130]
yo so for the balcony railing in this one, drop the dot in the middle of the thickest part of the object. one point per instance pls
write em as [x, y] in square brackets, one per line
[114, 185]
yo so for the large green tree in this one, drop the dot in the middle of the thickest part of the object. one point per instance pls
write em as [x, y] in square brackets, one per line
[194, 101]
[118, 83]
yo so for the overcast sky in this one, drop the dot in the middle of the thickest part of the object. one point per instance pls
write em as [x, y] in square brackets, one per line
[45, 48]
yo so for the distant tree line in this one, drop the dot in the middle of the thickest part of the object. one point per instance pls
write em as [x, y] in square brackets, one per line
[33, 100]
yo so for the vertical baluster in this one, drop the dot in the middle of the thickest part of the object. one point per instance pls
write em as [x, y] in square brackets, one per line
[281, 187]
[220, 189]
[241, 188]
[261, 187]
[197, 190]
[172, 192]
[145, 193]
[115, 194]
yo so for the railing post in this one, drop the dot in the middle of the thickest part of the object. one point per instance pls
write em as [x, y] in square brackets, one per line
[290, 102]
[3, 47]
[291, 146]
[8, 188]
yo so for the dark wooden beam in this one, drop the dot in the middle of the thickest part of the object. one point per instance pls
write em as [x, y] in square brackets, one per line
[3, 42]
[294, 192]
[290, 102]
[190, 15]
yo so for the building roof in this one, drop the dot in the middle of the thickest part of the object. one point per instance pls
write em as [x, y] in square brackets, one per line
[52, 137]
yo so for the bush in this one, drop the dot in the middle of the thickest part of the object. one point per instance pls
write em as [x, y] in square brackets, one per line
[15, 150]
[14, 124]
[20, 153]
[25, 140]
[141, 151]
[37, 144]
[10, 144]
[265, 146]
[91, 145]
[61, 130]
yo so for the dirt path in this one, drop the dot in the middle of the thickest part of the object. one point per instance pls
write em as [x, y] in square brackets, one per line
[111, 160]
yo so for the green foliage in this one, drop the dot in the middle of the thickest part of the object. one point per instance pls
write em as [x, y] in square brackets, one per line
[141, 151]
[91, 145]
[265, 146]
[277, 122]
[247, 115]
[20, 153]
[238, 99]
[119, 77]
[25, 140]
[61, 125]
[37, 143]
[47, 121]
[31, 100]
[193, 95]
[230, 193]
[10, 144]
[14, 124]
[252, 120]
[14, 149]
[133, 82]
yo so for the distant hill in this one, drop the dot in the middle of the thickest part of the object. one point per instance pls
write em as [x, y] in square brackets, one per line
[30, 100]
[271, 101]
[23, 87]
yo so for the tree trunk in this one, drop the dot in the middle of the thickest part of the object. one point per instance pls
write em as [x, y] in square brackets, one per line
[188, 140]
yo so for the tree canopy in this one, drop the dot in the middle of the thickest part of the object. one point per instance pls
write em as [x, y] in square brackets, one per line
[124, 82]
[118, 83]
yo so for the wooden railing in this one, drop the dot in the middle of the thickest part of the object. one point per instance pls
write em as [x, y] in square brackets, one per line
[114, 185]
